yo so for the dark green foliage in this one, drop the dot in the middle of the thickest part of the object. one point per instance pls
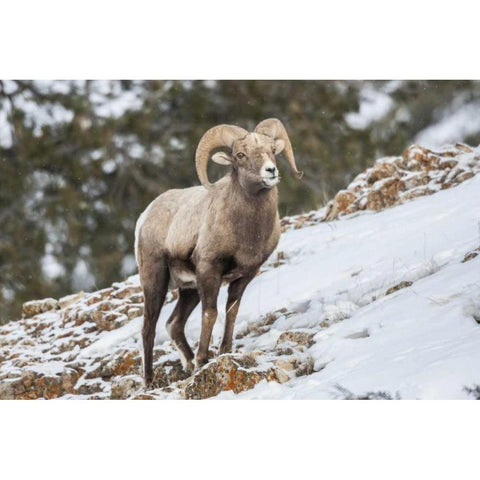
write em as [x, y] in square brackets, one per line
[72, 186]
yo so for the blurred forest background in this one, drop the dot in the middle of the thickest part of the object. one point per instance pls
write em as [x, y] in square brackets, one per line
[80, 160]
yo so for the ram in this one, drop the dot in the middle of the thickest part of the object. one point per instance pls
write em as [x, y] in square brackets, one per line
[195, 239]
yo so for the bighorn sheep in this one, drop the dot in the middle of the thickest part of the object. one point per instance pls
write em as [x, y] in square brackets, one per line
[198, 237]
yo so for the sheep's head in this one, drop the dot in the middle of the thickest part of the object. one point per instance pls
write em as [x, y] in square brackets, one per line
[252, 155]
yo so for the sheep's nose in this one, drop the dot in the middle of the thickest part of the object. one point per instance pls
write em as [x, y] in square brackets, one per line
[271, 170]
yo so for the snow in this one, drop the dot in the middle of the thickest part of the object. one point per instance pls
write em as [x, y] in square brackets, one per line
[50, 368]
[110, 100]
[109, 166]
[454, 126]
[83, 279]
[40, 115]
[374, 105]
[51, 267]
[129, 265]
[6, 139]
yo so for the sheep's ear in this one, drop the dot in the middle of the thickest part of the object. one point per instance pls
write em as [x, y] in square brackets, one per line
[222, 158]
[279, 145]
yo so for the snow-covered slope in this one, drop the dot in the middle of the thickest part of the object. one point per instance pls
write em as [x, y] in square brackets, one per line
[374, 305]
[421, 341]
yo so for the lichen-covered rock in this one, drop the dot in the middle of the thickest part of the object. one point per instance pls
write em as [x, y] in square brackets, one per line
[228, 372]
[35, 307]
[127, 291]
[385, 193]
[297, 336]
[6, 390]
[125, 387]
[168, 372]
[127, 363]
[381, 171]
[393, 180]
[65, 302]
[340, 203]
[32, 385]
[143, 396]
[135, 312]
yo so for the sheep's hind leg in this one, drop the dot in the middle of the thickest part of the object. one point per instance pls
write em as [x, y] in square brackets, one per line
[187, 301]
[154, 280]
[235, 292]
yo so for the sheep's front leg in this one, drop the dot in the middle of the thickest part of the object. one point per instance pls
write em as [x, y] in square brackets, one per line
[209, 280]
[235, 292]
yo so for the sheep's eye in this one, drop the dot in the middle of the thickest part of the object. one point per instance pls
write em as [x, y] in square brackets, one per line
[240, 155]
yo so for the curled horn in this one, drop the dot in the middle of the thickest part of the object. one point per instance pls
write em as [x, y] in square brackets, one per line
[219, 136]
[272, 127]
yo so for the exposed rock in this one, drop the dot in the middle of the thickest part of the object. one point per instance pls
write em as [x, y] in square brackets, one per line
[462, 176]
[125, 387]
[89, 387]
[296, 336]
[384, 194]
[228, 372]
[35, 307]
[127, 291]
[110, 321]
[416, 192]
[281, 376]
[285, 369]
[380, 171]
[6, 390]
[286, 364]
[135, 312]
[306, 367]
[397, 287]
[340, 203]
[300, 221]
[65, 302]
[32, 385]
[393, 180]
[127, 363]
[168, 372]
[471, 255]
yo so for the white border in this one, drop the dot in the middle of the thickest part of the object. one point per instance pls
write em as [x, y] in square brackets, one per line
[212, 39]
[246, 439]
[247, 39]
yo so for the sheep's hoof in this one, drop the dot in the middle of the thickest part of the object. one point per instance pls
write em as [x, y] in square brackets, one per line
[225, 349]
[189, 367]
[200, 362]
[148, 383]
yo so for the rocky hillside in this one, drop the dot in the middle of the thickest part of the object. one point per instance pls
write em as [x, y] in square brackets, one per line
[350, 305]
[396, 180]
